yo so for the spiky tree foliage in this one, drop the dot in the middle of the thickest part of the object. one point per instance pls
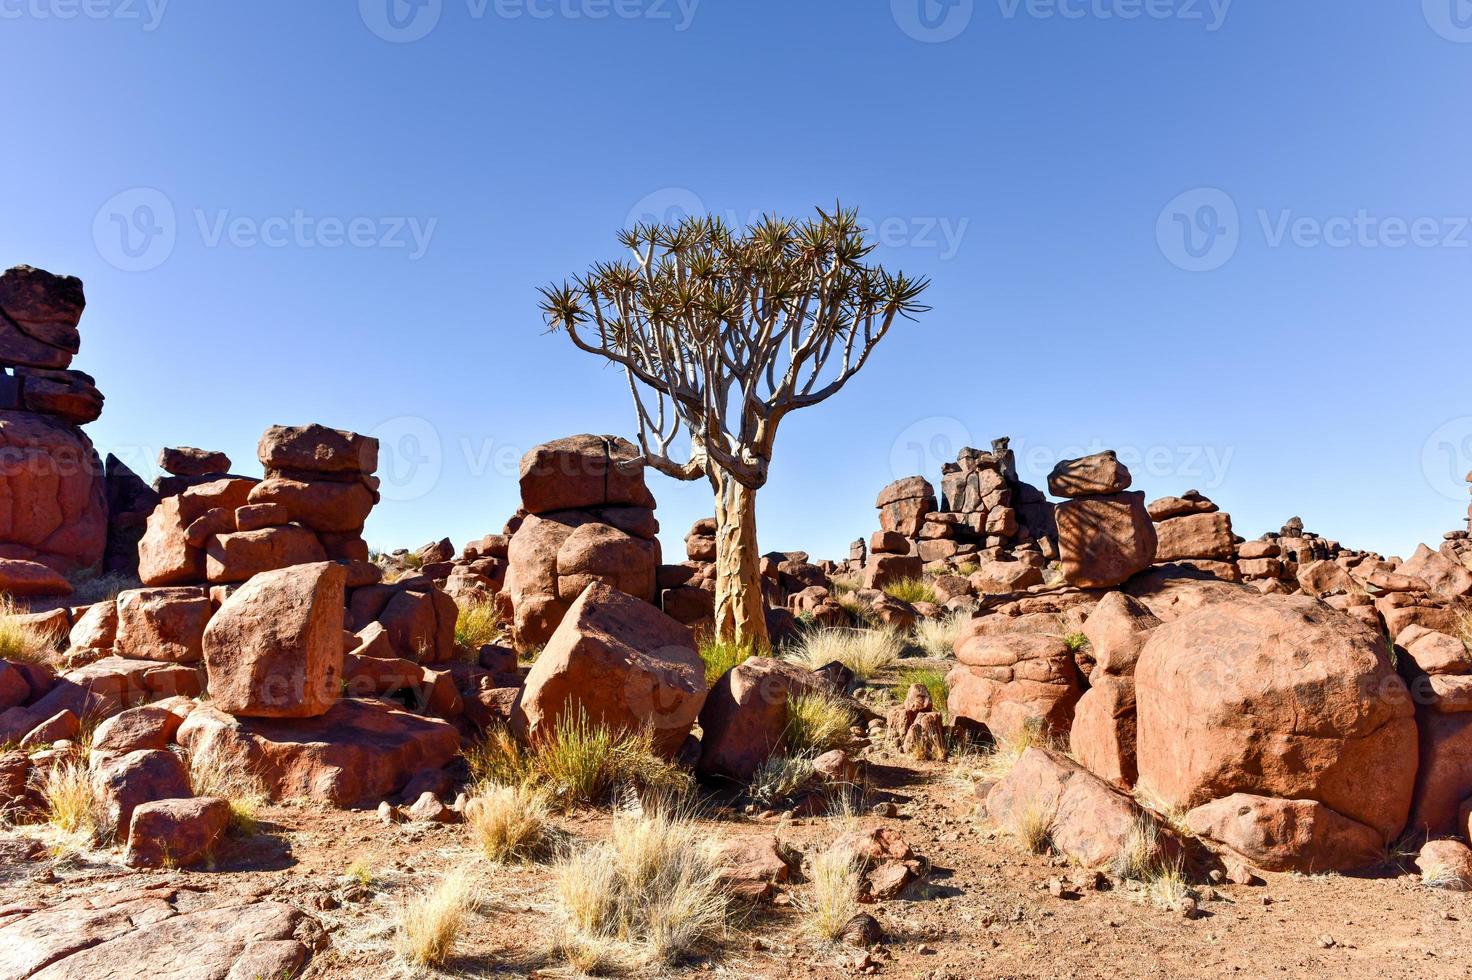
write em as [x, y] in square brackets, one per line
[721, 334]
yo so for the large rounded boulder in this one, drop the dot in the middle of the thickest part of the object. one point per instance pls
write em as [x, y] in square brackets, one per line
[1279, 696]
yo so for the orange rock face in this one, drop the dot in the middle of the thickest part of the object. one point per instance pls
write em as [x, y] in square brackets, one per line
[53, 508]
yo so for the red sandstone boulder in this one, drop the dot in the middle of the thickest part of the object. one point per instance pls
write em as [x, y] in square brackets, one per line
[1446, 864]
[125, 782]
[1102, 541]
[1207, 536]
[146, 727]
[188, 461]
[1190, 502]
[1446, 577]
[885, 570]
[1092, 476]
[1002, 577]
[176, 833]
[26, 579]
[583, 471]
[1444, 776]
[322, 505]
[166, 625]
[1276, 696]
[1010, 682]
[1287, 835]
[275, 647]
[604, 554]
[904, 504]
[358, 752]
[53, 508]
[238, 556]
[622, 662]
[41, 312]
[745, 715]
[317, 449]
[1325, 578]
[97, 628]
[1091, 822]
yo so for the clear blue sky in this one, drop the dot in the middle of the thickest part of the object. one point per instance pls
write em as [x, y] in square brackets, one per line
[1042, 165]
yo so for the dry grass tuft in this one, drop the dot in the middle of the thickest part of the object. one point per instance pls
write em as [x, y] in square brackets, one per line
[911, 590]
[1174, 817]
[1140, 858]
[866, 652]
[649, 894]
[578, 762]
[817, 723]
[101, 588]
[499, 759]
[995, 764]
[71, 803]
[210, 774]
[937, 637]
[476, 626]
[832, 899]
[22, 642]
[510, 823]
[1033, 827]
[430, 922]
[779, 778]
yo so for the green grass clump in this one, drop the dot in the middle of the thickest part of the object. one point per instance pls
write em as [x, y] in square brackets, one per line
[932, 679]
[476, 626]
[721, 656]
[817, 723]
[911, 590]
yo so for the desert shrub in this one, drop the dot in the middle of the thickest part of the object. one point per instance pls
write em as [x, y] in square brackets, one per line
[937, 637]
[476, 626]
[212, 774]
[1075, 642]
[23, 642]
[911, 590]
[430, 922]
[932, 679]
[361, 871]
[720, 656]
[648, 894]
[832, 896]
[779, 778]
[1140, 859]
[842, 585]
[817, 723]
[866, 652]
[509, 823]
[858, 610]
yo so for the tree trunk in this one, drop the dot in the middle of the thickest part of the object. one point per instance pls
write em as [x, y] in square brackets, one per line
[740, 609]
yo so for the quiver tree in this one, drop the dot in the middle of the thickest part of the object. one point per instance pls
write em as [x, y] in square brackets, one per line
[721, 335]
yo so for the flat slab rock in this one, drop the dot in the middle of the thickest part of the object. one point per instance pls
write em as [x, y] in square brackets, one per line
[156, 932]
[359, 752]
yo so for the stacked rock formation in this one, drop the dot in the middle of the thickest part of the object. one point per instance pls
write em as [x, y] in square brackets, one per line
[53, 519]
[220, 529]
[587, 516]
[985, 503]
[1105, 534]
[1191, 530]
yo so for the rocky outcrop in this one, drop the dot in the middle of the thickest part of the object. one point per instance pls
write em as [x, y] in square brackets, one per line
[1105, 534]
[1009, 683]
